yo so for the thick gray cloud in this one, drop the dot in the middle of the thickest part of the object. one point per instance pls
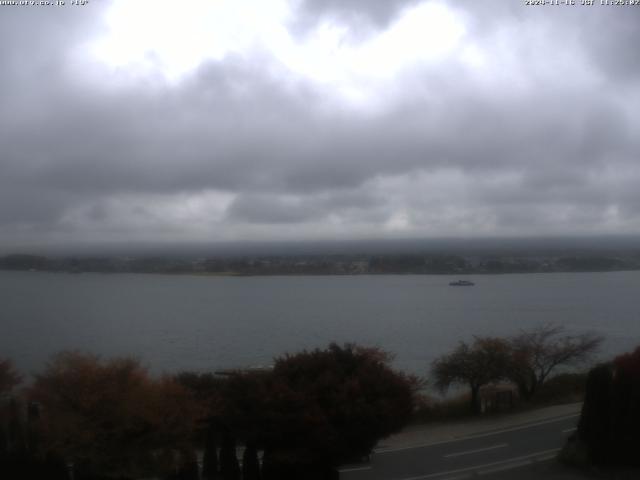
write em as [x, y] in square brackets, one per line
[382, 11]
[526, 126]
[360, 15]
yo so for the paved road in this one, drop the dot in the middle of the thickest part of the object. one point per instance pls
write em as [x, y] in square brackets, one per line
[487, 453]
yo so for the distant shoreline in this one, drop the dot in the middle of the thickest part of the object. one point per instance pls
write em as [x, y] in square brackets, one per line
[311, 274]
[331, 264]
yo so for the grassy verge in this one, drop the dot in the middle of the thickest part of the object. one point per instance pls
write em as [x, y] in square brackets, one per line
[561, 389]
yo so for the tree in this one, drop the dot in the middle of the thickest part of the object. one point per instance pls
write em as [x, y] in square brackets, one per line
[9, 378]
[13, 439]
[109, 417]
[318, 409]
[206, 389]
[536, 353]
[341, 400]
[475, 365]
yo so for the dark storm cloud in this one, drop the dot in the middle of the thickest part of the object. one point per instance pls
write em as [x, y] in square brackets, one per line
[524, 148]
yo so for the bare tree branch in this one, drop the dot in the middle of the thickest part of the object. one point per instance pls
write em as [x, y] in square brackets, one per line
[536, 353]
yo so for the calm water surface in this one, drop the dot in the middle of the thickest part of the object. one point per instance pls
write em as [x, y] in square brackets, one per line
[201, 323]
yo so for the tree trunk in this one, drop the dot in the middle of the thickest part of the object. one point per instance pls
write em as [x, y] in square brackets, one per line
[528, 389]
[534, 386]
[475, 399]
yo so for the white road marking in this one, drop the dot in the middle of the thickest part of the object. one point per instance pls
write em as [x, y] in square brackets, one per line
[544, 458]
[502, 468]
[569, 430]
[477, 450]
[513, 463]
[480, 435]
[354, 469]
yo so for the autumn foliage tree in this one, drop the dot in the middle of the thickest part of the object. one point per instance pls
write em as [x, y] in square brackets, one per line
[318, 409]
[9, 377]
[206, 390]
[341, 400]
[111, 418]
[10, 431]
[479, 363]
[536, 353]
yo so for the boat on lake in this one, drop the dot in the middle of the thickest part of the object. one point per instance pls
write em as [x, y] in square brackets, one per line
[461, 283]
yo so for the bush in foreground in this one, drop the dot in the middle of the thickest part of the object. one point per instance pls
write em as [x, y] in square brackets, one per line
[609, 428]
[111, 418]
[315, 410]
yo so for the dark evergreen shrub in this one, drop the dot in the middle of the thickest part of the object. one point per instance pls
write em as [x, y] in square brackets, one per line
[594, 424]
[229, 466]
[210, 458]
[250, 463]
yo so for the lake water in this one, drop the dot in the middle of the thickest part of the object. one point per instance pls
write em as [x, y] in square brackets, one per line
[203, 323]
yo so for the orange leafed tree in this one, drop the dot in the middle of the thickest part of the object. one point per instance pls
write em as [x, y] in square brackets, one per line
[9, 378]
[111, 417]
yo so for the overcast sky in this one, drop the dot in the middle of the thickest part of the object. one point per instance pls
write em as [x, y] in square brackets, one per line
[223, 120]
